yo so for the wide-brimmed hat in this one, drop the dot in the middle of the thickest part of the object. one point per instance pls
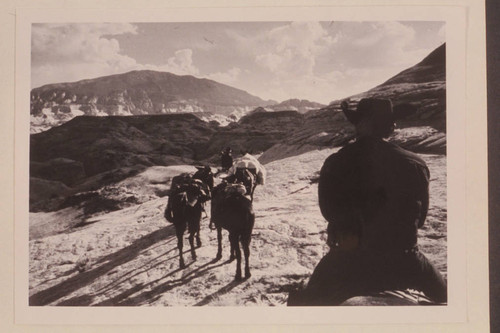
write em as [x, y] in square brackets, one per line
[379, 110]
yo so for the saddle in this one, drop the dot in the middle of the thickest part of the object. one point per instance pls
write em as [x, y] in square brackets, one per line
[180, 186]
[179, 181]
[226, 191]
[232, 189]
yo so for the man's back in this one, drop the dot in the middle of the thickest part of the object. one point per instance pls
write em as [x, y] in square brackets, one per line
[376, 191]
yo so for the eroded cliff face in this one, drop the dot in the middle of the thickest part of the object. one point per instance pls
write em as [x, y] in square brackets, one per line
[97, 149]
[135, 93]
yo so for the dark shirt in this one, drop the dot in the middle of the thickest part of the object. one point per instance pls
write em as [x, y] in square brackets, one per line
[377, 191]
[226, 161]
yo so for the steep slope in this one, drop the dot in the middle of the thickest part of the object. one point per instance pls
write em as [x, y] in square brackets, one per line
[135, 93]
[423, 85]
[255, 132]
[88, 152]
[102, 144]
[430, 69]
[86, 146]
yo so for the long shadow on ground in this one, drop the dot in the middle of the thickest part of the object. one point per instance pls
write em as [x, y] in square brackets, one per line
[111, 261]
[155, 293]
[224, 290]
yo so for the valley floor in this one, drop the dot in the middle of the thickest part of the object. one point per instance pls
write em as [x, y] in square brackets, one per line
[129, 257]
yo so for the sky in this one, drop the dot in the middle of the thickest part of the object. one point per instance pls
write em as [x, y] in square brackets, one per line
[318, 61]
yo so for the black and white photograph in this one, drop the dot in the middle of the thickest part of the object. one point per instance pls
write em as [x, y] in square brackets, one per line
[238, 164]
[307, 162]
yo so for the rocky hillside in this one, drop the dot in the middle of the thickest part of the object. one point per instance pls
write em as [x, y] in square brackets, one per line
[135, 93]
[423, 85]
[88, 152]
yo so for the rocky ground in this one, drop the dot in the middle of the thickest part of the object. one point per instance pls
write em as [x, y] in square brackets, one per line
[129, 257]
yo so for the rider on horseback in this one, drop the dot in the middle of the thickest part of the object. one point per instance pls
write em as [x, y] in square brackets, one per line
[375, 196]
[226, 159]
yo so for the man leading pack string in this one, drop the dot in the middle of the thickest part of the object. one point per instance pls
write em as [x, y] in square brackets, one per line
[375, 196]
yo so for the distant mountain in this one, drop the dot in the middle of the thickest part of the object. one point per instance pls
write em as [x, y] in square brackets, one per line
[135, 93]
[300, 105]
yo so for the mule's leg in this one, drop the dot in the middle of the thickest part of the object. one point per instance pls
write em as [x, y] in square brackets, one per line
[245, 243]
[235, 244]
[196, 225]
[219, 243]
[191, 243]
[198, 240]
[232, 250]
[180, 235]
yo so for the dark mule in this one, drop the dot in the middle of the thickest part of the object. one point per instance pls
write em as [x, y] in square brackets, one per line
[205, 175]
[184, 209]
[233, 211]
[246, 177]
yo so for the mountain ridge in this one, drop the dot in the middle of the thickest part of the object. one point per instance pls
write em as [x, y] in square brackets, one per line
[135, 93]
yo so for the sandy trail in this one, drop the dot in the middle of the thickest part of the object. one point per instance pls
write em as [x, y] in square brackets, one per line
[129, 257]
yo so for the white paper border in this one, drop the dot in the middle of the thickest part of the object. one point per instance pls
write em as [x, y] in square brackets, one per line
[455, 311]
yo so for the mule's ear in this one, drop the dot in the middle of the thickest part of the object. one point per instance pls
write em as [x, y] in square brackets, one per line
[403, 110]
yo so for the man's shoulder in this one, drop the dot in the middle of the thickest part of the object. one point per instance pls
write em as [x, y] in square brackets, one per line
[374, 149]
[352, 150]
[342, 157]
[404, 154]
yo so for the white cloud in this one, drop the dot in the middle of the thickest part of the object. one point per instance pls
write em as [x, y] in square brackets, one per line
[76, 42]
[311, 60]
[181, 63]
[286, 51]
[229, 77]
[375, 44]
[70, 52]
[66, 52]
[291, 50]
[330, 61]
